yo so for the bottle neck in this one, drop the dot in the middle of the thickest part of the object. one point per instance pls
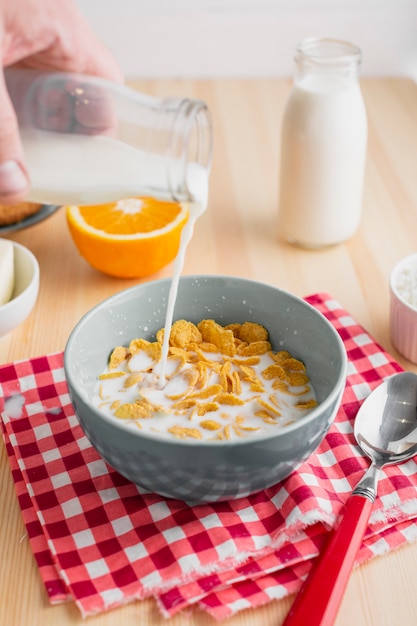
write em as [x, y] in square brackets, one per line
[189, 152]
[328, 57]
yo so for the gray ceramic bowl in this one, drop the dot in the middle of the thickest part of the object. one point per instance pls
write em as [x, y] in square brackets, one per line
[205, 471]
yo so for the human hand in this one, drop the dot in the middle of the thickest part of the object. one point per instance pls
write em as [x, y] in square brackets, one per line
[56, 37]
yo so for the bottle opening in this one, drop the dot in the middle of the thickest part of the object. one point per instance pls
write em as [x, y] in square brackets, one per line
[328, 52]
[328, 56]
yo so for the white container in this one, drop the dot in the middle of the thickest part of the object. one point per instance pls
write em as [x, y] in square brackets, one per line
[403, 307]
[323, 146]
[25, 293]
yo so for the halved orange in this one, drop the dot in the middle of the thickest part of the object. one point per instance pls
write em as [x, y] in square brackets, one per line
[131, 238]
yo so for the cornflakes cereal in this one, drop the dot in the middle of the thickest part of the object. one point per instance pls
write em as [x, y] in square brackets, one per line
[274, 371]
[183, 333]
[185, 433]
[280, 357]
[227, 380]
[117, 357]
[235, 383]
[210, 425]
[133, 410]
[268, 407]
[306, 404]
[229, 398]
[191, 376]
[183, 354]
[214, 333]
[133, 379]
[213, 390]
[111, 375]
[208, 407]
[297, 379]
[234, 328]
[202, 374]
[255, 348]
[154, 351]
[252, 360]
[294, 365]
[257, 386]
[207, 347]
[184, 405]
[136, 345]
[251, 332]
[266, 417]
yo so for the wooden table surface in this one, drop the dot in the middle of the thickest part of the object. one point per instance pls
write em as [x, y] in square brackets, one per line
[238, 236]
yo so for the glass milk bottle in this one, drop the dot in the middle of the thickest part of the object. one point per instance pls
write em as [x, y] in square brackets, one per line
[87, 140]
[323, 146]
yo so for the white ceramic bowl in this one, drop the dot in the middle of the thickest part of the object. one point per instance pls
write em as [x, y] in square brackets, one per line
[403, 307]
[25, 292]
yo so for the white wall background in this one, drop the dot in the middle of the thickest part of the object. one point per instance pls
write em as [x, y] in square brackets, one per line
[249, 38]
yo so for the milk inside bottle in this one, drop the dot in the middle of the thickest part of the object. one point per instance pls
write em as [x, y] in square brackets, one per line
[323, 146]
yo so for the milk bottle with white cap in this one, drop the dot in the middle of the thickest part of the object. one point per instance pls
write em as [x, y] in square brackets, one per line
[323, 146]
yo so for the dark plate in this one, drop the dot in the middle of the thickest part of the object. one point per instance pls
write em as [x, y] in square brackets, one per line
[45, 211]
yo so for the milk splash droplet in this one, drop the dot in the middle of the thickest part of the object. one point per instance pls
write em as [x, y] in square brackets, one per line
[13, 406]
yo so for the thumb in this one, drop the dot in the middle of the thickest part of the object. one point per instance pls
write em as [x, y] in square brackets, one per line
[14, 180]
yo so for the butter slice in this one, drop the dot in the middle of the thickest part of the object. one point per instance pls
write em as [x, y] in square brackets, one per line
[6, 271]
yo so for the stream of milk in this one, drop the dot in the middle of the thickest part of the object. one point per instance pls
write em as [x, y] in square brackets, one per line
[199, 186]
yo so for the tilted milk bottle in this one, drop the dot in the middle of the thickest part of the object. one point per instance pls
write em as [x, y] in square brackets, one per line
[323, 146]
[87, 140]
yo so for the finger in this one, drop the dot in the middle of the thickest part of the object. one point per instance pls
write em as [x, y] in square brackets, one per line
[72, 106]
[14, 181]
[93, 109]
[53, 110]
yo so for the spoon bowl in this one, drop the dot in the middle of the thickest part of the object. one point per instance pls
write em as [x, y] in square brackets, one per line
[386, 431]
[392, 438]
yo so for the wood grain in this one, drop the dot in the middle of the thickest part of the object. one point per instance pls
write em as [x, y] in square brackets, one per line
[238, 235]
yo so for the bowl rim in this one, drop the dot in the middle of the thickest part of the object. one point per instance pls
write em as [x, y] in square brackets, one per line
[335, 394]
[34, 280]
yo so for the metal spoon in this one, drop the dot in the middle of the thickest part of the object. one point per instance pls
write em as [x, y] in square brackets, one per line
[386, 430]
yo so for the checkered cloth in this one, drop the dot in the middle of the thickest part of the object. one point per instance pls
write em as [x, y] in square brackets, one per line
[102, 541]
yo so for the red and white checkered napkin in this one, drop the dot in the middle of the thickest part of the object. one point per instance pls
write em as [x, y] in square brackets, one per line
[101, 541]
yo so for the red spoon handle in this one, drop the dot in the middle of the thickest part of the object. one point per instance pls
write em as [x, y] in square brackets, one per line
[320, 597]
